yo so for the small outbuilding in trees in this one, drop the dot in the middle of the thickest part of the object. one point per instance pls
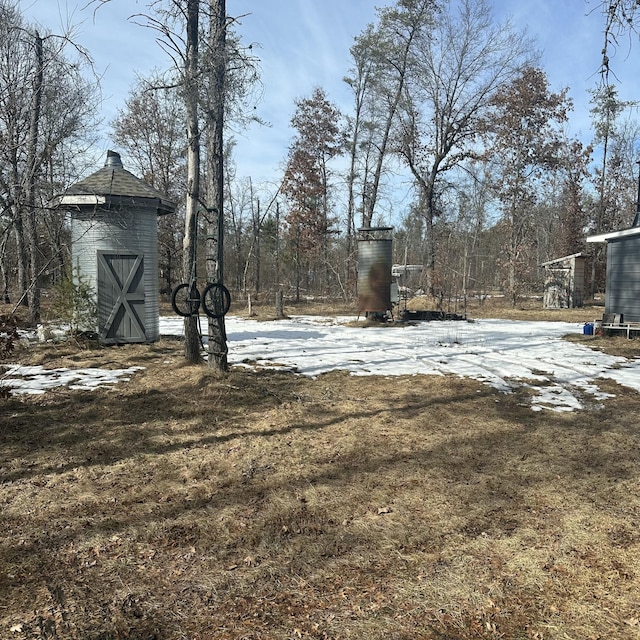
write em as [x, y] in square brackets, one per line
[114, 236]
[564, 282]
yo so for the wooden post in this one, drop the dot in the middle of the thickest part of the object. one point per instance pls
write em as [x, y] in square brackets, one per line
[279, 304]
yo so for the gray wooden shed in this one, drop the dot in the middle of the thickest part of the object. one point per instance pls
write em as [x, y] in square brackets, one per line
[564, 282]
[114, 241]
[622, 293]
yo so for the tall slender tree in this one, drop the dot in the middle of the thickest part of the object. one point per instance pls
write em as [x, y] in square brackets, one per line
[31, 175]
[45, 104]
[525, 140]
[190, 91]
[214, 123]
[382, 56]
[573, 218]
[306, 182]
[456, 71]
[605, 115]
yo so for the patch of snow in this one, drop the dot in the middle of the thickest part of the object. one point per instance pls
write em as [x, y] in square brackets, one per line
[36, 379]
[504, 354]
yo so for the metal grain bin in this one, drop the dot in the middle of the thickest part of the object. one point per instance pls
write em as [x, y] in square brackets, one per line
[375, 260]
[114, 235]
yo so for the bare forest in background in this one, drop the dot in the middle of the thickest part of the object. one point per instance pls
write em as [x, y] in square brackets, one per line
[448, 106]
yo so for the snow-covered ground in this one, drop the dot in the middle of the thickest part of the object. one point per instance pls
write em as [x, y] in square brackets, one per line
[504, 354]
[36, 379]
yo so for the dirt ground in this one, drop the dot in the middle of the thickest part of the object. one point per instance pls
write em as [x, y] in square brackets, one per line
[264, 505]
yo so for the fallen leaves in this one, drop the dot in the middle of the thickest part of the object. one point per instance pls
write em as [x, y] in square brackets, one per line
[155, 510]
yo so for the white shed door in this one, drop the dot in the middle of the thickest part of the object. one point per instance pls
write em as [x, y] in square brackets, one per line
[121, 297]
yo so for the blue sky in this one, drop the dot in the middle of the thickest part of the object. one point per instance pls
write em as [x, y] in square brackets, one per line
[305, 43]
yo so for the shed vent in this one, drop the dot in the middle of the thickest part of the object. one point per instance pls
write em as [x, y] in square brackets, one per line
[113, 160]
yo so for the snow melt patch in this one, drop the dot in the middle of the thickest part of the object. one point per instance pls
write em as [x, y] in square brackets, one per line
[505, 354]
[22, 379]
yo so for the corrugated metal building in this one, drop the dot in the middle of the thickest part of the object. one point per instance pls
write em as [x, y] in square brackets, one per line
[622, 294]
[114, 236]
[375, 257]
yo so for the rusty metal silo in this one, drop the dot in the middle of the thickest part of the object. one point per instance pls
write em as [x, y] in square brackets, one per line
[375, 258]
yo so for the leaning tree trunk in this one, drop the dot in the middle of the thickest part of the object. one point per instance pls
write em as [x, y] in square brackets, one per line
[218, 349]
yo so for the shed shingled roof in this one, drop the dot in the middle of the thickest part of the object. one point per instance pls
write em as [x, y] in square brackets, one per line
[114, 180]
[563, 259]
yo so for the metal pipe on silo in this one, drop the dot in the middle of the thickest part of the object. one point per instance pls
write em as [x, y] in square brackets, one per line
[375, 259]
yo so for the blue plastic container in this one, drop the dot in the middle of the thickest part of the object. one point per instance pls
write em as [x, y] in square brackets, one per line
[587, 330]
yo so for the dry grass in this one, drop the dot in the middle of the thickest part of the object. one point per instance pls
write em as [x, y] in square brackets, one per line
[265, 505]
[528, 308]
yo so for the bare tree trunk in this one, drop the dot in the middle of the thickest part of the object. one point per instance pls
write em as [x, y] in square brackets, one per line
[21, 257]
[218, 349]
[28, 212]
[429, 261]
[351, 202]
[428, 212]
[279, 304]
[277, 264]
[18, 229]
[191, 333]
[4, 296]
[250, 312]
[600, 215]
[256, 224]
[512, 253]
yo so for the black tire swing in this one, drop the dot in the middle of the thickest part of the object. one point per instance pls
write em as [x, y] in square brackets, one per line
[186, 299]
[215, 300]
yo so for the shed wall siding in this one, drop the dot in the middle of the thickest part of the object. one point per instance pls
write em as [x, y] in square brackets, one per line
[126, 231]
[623, 278]
[578, 282]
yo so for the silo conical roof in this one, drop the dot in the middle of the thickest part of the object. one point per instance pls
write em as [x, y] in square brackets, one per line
[113, 181]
